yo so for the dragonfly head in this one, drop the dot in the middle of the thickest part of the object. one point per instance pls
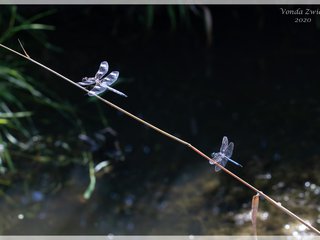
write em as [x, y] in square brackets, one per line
[213, 154]
[84, 79]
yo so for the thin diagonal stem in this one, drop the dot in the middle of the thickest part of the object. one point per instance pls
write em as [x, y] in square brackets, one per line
[269, 199]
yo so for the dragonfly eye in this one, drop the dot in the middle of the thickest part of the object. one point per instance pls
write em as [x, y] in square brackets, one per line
[84, 79]
[212, 154]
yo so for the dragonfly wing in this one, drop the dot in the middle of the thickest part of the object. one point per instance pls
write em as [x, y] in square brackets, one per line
[224, 144]
[87, 81]
[214, 157]
[229, 150]
[103, 69]
[97, 90]
[222, 162]
[111, 78]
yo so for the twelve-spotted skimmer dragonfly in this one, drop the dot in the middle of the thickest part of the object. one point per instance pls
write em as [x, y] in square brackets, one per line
[102, 84]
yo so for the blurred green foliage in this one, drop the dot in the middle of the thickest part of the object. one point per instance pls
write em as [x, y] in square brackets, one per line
[22, 144]
[19, 91]
[12, 23]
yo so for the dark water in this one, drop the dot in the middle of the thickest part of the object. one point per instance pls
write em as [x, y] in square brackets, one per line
[257, 84]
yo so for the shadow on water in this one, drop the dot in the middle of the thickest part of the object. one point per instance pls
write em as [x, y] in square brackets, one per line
[256, 85]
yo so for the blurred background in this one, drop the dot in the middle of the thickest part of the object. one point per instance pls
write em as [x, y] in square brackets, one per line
[70, 164]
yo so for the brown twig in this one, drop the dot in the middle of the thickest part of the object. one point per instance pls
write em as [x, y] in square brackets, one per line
[269, 199]
[254, 212]
[25, 53]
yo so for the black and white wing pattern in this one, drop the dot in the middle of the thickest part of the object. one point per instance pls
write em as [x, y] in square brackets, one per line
[102, 84]
[103, 69]
[105, 83]
[87, 81]
[100, 88]
[111, 78]
[96, 90]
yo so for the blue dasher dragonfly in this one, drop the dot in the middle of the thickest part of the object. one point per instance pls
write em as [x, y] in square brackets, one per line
[102, 83]
[224, 155]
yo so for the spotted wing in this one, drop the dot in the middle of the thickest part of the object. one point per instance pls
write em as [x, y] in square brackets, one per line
[111, 78]
[97, 89]
[87, 81]
[103, 69]
[224, 144]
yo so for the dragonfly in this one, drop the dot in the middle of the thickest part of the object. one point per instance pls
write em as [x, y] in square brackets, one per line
[100, 82]
[224, 155]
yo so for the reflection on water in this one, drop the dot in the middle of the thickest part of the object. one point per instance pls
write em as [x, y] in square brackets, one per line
[185, 200]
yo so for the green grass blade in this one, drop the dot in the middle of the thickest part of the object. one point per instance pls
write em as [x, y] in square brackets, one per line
[15, 114]
[150, 16]
[3, 121]
[90, 189]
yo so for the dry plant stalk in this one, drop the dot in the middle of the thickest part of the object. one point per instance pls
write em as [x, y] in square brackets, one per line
[269, 199]
[254, 212]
